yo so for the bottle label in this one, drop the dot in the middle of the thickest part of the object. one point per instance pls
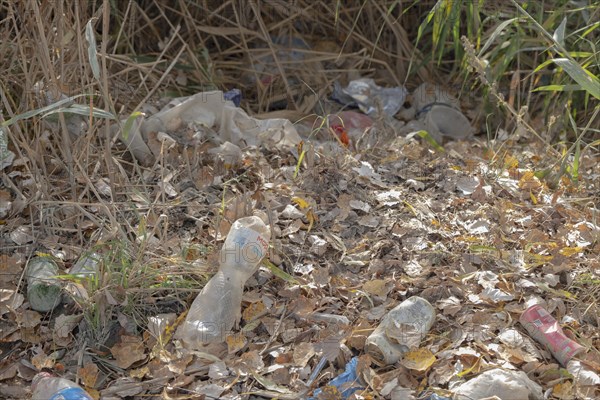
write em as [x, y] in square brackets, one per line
[72, 393]
[247, 245]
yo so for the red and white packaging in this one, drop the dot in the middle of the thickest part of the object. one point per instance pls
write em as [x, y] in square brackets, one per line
[545, 329]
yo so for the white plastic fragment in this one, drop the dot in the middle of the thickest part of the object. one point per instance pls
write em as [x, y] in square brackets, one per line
[505, 384]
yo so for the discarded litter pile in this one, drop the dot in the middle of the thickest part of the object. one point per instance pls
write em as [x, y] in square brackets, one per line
[342, 274]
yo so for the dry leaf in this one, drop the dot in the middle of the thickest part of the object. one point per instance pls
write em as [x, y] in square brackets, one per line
[254, 311]
[139, 373]
[178, 366]
[303, 352]
[9, 372]
[564, 390]
[88, 374]
[329, 393]
[65, 324]
[41, 361]
[376, 287]
[10, 299]
[253, 360]
[129, 351]
[10, 268]
[29, 318]
[235, 342]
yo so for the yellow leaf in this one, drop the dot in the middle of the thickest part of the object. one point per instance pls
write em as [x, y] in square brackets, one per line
[93, 392]
[311, 219]
[532, 197]
[529, 181]
[557, 293]
[468, 370]
[411, 208]
[330, 393]
[300, 202]
[419, 360]
[170, 329]
[510, 162]
[570, 251]
[563, 390]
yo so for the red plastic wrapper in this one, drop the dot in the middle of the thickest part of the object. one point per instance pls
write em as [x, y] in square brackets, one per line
[545, 329]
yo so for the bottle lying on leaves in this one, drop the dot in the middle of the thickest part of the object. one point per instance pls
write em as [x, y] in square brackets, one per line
[46, 386]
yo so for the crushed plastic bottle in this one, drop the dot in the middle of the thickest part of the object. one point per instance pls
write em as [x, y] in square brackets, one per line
[43, 288]
[546, 330]
[401, 330]
[217, 308]
[46, 386]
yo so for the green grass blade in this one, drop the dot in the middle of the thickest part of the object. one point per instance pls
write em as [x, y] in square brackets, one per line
[559, 33]
[299, 163]
[558, 88]
[591, 29]
[38, 111]
[495, 34]
[129, 123]
[575, 166]
[81, 109]
[589, 82]
[425, 135]
[92, 55]
[278, 272]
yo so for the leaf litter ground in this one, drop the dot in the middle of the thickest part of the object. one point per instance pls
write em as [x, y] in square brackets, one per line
[354, 233]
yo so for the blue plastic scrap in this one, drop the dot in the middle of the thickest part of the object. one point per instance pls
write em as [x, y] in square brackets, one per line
[346, 381]
[233, 95]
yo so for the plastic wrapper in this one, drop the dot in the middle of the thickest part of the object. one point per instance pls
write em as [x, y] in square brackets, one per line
[347, 382]
[204, 117]
[505, 384]
[371, 98]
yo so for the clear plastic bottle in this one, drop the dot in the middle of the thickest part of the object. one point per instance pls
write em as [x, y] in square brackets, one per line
[43, 288]
[86, 269]
[401, 330]
[45, 386]
[86, 266]
[217, 308]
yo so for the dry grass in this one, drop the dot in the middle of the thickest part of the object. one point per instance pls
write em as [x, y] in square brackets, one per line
[148, 49]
